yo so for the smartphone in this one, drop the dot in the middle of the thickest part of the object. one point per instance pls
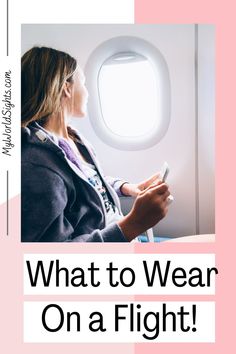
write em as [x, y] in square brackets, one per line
[164, 171]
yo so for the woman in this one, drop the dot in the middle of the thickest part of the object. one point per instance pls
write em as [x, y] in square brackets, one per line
[65, 196]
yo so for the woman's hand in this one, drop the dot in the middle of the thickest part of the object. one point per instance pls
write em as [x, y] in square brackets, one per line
[149, 208]
[131, 189]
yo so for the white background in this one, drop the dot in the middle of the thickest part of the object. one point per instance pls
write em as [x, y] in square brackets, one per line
[134, 261]
[35, 332]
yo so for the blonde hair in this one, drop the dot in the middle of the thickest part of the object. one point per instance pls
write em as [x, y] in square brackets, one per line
[44, 72]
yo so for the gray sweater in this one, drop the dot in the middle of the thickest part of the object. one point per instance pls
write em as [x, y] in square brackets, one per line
[58, 203]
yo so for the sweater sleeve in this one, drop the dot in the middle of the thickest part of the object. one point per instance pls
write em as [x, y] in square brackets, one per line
[44, 199]
[116, 183]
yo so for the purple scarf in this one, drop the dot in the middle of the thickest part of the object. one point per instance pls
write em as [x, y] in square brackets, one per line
[70, 154]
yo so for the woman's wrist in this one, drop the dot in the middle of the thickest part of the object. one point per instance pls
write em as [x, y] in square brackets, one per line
[129, 189]
[129, 227]
[124, 189]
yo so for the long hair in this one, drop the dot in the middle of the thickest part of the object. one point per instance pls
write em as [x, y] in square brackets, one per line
[43, 74]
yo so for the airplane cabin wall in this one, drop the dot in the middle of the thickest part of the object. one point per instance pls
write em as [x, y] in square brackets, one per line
[206, 128]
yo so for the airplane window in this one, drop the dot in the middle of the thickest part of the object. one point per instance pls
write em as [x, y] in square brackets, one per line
[128, 93]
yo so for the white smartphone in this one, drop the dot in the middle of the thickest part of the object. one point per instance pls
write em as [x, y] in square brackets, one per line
[164, 171]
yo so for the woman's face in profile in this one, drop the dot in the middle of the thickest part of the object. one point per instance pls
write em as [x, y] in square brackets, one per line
[80, 94]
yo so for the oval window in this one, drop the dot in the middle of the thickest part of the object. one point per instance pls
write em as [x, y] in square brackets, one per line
[129, 86]
[128, 93]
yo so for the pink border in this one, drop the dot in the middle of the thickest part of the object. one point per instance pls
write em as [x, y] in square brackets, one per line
[222, 14]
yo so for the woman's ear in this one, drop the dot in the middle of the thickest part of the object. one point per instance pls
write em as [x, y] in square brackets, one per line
[67, 90]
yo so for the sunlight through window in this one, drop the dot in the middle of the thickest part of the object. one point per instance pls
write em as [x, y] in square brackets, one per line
[129, 95]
